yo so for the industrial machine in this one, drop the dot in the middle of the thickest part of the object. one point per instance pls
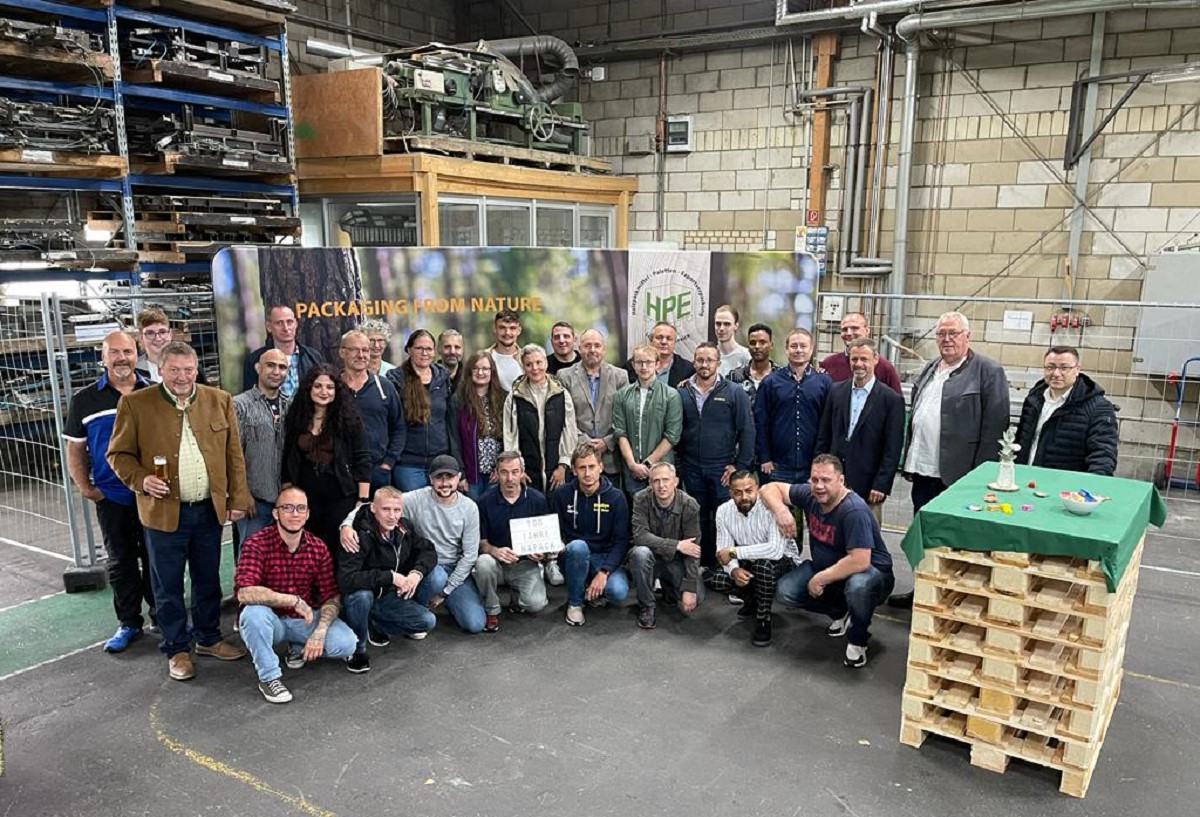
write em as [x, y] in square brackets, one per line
[199, 134]
[478, 93]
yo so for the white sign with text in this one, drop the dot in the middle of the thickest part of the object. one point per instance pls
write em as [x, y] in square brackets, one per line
[535, 534]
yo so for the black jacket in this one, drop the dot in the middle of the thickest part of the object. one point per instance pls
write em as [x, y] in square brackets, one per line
[424, 441]
[680, 371]
[871, 454]
[351, 459]
[1080, 436]
[377, 558]
[307, 356]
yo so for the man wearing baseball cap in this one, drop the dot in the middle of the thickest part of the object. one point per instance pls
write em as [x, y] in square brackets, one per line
[450, 520]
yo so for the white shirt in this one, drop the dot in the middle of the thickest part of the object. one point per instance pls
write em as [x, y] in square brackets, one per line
[755, 535]
[735, 359]
[1048, 409]
[508, 368]
[924, 450]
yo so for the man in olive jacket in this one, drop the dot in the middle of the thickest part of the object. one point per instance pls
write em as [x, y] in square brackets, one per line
[195, 429]
[647, 419]
[666, 541]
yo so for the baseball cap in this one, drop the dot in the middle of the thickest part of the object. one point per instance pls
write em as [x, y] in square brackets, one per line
[443, 464]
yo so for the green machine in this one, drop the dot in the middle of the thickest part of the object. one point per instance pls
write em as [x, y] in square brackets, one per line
[477, 92]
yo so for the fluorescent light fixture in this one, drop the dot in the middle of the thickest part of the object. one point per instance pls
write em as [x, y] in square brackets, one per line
[324, 48]
[1185, 72]
[21, 265]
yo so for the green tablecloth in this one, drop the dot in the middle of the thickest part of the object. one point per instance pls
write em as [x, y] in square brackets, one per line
[1108, 535]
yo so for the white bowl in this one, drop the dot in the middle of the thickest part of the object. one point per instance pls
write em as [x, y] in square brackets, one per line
[1077, 507]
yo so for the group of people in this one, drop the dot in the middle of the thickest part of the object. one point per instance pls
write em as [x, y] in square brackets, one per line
[366, 496]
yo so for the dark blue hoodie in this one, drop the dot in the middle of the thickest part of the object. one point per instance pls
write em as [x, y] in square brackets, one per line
[601, 520]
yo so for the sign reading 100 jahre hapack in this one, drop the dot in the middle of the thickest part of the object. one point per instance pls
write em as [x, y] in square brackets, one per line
[535, 534]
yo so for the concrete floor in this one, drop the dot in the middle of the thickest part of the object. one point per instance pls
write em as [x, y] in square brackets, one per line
[542, 719]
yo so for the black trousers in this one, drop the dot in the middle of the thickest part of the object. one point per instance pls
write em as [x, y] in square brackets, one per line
[925, 489]
[128, 562]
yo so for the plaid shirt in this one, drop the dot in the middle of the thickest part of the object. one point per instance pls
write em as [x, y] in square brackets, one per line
[266, 562]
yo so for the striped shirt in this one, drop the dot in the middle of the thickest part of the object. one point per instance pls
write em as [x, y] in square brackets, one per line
[755, 535]
[265, 561]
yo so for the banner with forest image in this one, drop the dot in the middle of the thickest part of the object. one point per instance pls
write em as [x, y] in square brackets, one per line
[333, 290]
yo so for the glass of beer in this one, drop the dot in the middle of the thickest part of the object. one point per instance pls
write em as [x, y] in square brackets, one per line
[160, 469]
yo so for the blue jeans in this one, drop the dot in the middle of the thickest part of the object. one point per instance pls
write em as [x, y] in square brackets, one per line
[703, 483]
[788, 475]
[195, 544]
[409, 478]
[464, 603]
[380, 477]
[262, 628]
[251, 525]
[388, 613]
[579, 564]
[857, 595]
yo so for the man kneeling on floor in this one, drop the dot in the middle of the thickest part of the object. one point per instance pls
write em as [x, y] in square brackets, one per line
[850, 573]
[666, 537]
[380, 578]
[753, 552]
[593, 517]
[283, 573]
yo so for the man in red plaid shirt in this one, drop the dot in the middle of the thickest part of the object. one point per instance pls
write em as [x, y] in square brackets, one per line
[285, 582]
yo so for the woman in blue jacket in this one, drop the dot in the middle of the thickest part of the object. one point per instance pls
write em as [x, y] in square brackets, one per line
[424, 388]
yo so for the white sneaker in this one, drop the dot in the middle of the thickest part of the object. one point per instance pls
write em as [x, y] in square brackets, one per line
[274, 691]
[554, 576]
[575, 615]
[856, 656]
[839, 626]
[417, 636]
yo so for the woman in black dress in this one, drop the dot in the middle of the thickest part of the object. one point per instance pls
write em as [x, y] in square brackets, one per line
[325, 452]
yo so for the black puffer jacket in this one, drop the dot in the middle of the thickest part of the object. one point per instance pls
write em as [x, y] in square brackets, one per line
[1080, 436]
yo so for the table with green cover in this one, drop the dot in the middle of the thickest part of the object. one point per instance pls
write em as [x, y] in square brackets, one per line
[1108, 535]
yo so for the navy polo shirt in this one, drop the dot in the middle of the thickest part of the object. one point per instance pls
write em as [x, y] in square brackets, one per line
[495, 512]
[848, 526]
[90, 420]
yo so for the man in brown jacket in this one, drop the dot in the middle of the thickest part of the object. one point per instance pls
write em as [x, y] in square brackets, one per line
[183, 500]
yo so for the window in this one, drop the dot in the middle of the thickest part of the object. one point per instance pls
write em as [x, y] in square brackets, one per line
[507, 225]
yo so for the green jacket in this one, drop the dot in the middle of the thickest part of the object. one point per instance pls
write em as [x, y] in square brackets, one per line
[661, 418]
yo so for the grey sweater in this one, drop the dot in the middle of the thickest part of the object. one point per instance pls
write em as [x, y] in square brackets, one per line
[453, 530]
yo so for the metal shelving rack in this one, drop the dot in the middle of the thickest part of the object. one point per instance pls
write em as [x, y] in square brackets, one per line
[125, 95]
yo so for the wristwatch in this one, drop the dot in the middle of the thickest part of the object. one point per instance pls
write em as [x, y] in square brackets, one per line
[364, 500]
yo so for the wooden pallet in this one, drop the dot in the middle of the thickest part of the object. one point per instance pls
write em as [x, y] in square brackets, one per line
[61, 163]
[179, 223]
[193, 77]
[57, 64]
[223, 12]
[492, 152]
[170, 164]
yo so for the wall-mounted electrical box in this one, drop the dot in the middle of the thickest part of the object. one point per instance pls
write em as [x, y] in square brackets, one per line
[679, 134]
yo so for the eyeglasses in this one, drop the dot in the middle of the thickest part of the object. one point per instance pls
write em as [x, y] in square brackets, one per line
[482, 370]
[155, 333]
[1051, 368]
[949, 335]
[289, 507]
[357, 350]
[644, 362]
[425, 350]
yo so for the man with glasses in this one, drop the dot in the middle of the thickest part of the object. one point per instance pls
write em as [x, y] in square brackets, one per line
[669, 367]
[285, 582]
[1066, 421]
[281, 335]
[378, 404]
[959, 412]
[837, 365]
[154, 333]
[176, 447]
[647, 421]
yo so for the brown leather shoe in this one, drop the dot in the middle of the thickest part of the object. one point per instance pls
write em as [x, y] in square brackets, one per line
[180, 667]
[222, 650]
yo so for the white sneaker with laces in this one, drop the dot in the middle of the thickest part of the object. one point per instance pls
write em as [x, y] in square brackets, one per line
[274, 691]
[554, 576]
[839, 626]
[575, 615]
[856, 656]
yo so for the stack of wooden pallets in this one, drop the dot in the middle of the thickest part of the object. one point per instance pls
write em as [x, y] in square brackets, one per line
[1018, 655]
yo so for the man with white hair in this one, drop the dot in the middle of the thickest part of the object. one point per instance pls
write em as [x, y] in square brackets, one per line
[960, 410]
[593, 384]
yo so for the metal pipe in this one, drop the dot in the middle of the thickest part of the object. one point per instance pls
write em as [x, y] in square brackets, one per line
[880, 270]
[1083, 168]
[848, 154]
[883, 117]
[869, 261]
[913, 24]
[860, 175]
[897, 282]
[857, 10]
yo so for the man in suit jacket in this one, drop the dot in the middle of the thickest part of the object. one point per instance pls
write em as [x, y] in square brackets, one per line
[671, 369]
[863, 425]
[593, 385]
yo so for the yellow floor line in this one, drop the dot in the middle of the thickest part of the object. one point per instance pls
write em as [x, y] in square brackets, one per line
[220, 767]
[1166, 681]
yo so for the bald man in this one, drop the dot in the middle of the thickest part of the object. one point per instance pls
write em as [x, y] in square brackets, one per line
[260, 411]
[593, 385]
[88, 429]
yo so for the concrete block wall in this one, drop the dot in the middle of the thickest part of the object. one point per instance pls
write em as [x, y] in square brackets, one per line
[415, 21]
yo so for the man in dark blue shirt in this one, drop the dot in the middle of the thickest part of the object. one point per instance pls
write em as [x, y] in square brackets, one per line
[88, 429]
[510, 498]
[850, 572]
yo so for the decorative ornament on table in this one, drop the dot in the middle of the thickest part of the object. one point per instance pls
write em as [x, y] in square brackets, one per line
[1006, 476]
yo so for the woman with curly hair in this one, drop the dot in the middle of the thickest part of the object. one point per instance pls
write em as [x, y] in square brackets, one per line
[478, 412]
[325, 452]
[424, 387]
